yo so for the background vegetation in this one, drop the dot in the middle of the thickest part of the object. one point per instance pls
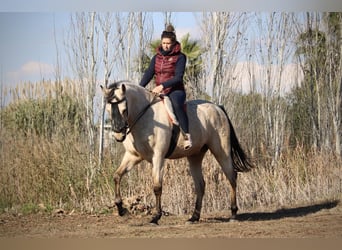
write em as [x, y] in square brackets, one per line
[52, 146]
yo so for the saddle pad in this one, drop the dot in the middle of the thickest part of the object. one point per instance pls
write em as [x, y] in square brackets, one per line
[169, 110]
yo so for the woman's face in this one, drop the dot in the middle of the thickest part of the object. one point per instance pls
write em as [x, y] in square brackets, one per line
[166, 44]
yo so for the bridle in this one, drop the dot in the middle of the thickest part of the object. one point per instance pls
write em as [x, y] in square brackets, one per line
[127, 128]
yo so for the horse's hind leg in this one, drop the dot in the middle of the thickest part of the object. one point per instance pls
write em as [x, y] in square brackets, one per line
[227, 167]
[195, 163]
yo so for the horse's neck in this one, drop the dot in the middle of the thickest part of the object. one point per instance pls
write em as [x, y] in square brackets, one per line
[138, 99]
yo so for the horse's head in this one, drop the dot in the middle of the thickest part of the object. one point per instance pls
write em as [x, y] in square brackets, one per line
[115, 96]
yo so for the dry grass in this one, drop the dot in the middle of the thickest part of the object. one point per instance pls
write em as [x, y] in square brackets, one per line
[54, 173]
[298, 178]
[39, 172]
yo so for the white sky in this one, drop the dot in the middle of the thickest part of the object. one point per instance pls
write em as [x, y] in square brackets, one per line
[27, 45]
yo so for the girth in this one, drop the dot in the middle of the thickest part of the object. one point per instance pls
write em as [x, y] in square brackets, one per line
[174, 139]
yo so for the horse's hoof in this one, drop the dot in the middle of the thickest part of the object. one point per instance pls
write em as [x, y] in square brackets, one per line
[123, 211]
[192, 220]
[233, 219]
[154, 222]
[155, 219]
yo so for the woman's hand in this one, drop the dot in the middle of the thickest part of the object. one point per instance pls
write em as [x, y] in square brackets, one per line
[158, 89]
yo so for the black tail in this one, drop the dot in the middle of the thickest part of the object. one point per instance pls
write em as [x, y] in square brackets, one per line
[241, 163]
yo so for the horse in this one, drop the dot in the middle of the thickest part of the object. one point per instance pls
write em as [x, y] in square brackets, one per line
[140, 122]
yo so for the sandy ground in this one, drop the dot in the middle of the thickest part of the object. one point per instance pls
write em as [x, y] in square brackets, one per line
[320, 220]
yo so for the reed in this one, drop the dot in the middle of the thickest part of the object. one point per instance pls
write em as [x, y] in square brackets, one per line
[43, 168]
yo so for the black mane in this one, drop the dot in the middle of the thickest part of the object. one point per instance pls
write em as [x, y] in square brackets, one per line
[115, 85]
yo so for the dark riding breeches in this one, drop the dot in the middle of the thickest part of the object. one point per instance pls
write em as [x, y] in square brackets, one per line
[177, 98]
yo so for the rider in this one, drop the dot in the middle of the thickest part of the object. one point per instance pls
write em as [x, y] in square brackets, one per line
[168, 66]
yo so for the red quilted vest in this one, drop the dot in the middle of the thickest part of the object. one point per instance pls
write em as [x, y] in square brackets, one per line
[164, 67]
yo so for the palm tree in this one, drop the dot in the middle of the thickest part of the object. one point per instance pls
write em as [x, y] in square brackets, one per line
[193, 52]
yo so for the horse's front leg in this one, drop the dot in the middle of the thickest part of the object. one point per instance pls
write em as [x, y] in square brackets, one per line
[195, 163]
[157, 175]
[127, 163]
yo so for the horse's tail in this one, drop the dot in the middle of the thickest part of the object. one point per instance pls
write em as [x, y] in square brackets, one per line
[241, 163]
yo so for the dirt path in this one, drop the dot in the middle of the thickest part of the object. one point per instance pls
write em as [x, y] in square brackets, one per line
[321, 220]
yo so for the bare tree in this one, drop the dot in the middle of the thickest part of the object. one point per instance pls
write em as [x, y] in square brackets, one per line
[222, 37]
[108, 62]
[58, 71]
[167, 18]
[129, 43]
[140, 23]
[145, 31]
[319, 53]
[83, 56]
[273, 52]
[333, 30]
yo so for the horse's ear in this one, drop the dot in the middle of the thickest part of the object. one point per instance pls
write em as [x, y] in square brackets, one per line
[105, 90]
[123, 88]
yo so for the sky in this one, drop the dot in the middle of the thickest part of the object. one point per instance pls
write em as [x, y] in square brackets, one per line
[28, 48]
[29, 41]
[27, 32]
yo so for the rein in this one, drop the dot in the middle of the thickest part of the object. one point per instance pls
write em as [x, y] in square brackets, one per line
[141, 113]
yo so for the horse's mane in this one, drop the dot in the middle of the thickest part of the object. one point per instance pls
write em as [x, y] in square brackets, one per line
[132, 86]
[115, 85]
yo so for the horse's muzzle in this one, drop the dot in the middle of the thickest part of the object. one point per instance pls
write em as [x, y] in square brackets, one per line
[119, 136]
[120, 132]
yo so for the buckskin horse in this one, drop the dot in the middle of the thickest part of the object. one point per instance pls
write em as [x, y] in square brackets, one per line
[139, 120]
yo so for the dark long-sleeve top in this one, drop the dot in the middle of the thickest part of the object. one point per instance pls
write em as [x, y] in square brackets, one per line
[179, 73]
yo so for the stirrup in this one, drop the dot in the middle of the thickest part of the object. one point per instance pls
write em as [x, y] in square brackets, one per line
[187, 142]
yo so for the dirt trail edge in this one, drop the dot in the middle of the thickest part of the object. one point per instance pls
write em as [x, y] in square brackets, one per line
[319, 220]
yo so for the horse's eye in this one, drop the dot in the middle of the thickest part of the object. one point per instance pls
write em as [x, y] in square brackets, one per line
[124, 112]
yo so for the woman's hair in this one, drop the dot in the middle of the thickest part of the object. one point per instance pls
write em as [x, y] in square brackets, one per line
[169, 32]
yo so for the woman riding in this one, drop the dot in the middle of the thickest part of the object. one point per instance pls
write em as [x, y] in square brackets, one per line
[168, 66]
